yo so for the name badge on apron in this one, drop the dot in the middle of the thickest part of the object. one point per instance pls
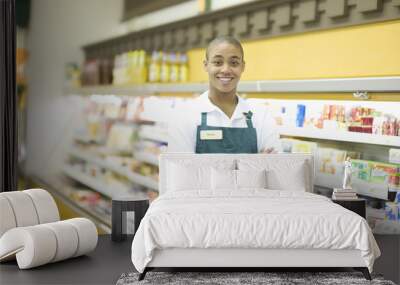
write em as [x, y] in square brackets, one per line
[211, 135]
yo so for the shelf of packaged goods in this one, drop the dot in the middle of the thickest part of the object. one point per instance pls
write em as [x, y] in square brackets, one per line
[153, 135]
[371, 84]
[90, 157]
[142, 180]
[133, 177]
[340, 135]
[147, 157]
[355, 84]
[87, 139]
[137, 89]
[94, 183]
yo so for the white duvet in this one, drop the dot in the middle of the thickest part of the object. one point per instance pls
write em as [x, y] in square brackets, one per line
[250, 219]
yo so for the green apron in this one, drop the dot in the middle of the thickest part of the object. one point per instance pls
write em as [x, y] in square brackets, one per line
[226, 140]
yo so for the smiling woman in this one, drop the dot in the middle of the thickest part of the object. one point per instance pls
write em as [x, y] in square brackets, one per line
[224, 64]
[219, 121]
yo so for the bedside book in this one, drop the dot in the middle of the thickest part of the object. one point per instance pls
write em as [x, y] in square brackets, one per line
[341, 190]
[335, 196]
[344, 194]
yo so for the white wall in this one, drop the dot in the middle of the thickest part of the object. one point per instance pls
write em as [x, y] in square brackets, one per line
[58, 29]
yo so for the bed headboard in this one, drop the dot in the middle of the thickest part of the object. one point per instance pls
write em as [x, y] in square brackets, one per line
[274, 159]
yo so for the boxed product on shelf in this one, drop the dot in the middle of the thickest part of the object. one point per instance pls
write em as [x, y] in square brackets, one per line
[118, 161]
[156, 132]
[373, 118]
[134, 109]
[107, 107]
[87, 197]
[97, 72]
[130, 67]
[121, 137]
[92, 201]
[298, 146]
[138, 67]
[168, 67]
[72, 75]
[150, 147]
[117, 181]
[392, 211]
[330, 161]
[91, 72]
[397, 198]
[394, 155]
[376, 172]
[93, 170]
[373, 178]
[145, 169]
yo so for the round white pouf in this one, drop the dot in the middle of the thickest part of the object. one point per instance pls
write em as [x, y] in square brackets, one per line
[7, 218]
[40, 244]
[33, 246]
[45, 205]
[67, 239]
[23, 208]
[87, 235]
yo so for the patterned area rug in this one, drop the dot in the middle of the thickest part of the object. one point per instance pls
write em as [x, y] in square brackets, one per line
[243, 278]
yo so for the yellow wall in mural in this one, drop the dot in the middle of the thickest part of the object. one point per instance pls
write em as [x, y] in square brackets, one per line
[358, 51]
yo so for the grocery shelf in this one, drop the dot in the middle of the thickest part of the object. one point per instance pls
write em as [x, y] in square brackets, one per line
[87, 139]
[96, 184]
[142, 180]
[92, 158]
[138, 89]
[153, 135]
[392, 141]
[146, 157]
[371, 84]
[133, 177]
[179, 87]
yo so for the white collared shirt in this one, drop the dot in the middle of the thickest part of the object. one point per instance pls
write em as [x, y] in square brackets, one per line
[183, 123]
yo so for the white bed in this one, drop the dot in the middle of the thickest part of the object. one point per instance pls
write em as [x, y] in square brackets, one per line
[247, 211]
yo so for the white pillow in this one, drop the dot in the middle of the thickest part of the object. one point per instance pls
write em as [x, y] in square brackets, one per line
[183, 178]
[223, 179]
[293, 180]
[251, 178]
[282, 174]
[226, 179]
[185, 174]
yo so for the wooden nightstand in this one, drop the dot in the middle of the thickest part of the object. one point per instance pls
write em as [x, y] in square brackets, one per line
[355, 205]
[121, 208]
